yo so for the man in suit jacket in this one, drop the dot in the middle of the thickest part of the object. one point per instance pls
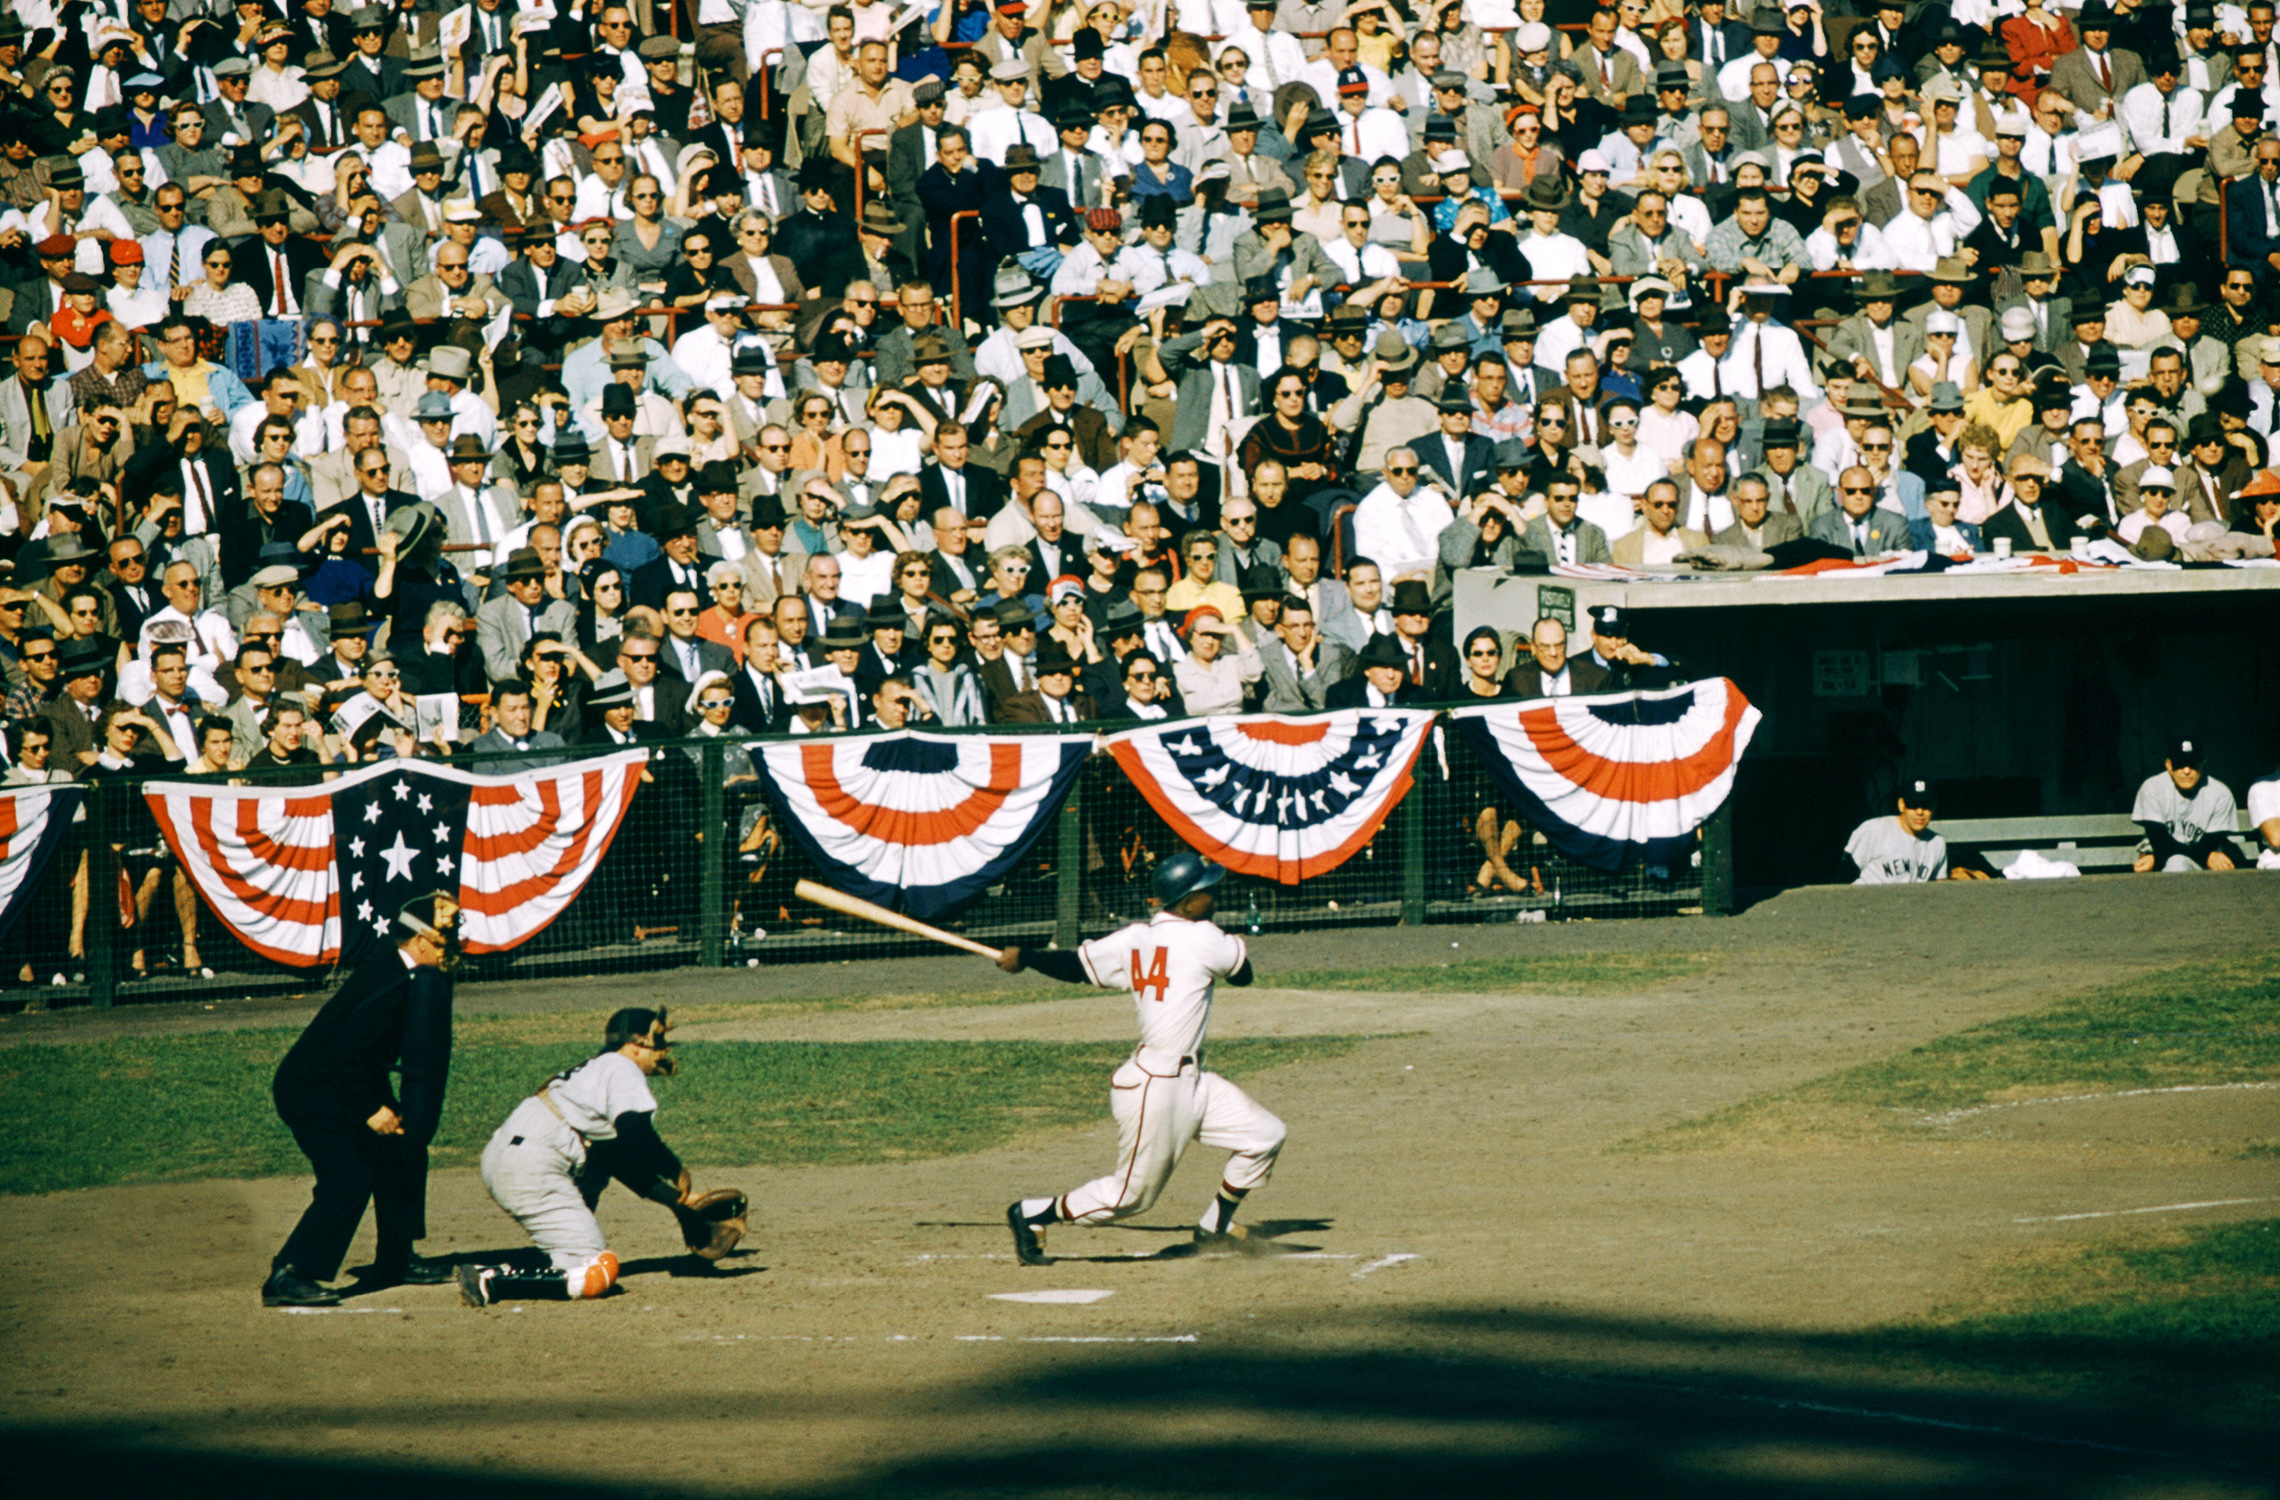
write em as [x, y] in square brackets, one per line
[1564, 538]
[1299, 664]
[2095, 75]
[685, 655]
[1055, 699]
[1075, 169]
[2053, 315]
[1607, 71]
[325, 117]
[424, 113]
[1380, 679]
[1793, 489]
[2251, 203]
[1471, 467]
[255, 260]
[231, 113]
[1856, 339]
[1659, 526]
[1548, 671]
[1755, 525]
[1199, 362]
[951, 481]
[517, 746]
[503, 626]
[1005, 223]
[1857, 524]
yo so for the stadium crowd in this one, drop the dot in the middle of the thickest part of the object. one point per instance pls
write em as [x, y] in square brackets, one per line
[414, 381]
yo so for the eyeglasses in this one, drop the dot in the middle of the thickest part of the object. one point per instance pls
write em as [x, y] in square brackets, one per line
[1859, 489]
[640, 656]
[382, 674]
[709, 704]
[1875, 447]
[1401, 468]
[1660, 504]
[779, 448]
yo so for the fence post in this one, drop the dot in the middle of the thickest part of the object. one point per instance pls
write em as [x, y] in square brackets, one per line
[1718, 862]
[719, 840]
[102, 896]
[1069, 866]
[1413, 830]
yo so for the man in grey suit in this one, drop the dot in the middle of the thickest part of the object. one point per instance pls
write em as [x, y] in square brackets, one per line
[1794, 490]
[2053, 315]
[230, 113]
[1300, 664]
[1200, 362]
[510, 737]
[1857, 525]
[2095, 75]
[1873, 340]
[1754, 526]
[1557, 535]
[503, 626]
[1075, 169]
[424, 113]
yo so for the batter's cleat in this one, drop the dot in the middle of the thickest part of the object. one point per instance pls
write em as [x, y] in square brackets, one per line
[1234, 1239]
[287, 1287]
[475, 1285]
[1027, 1247]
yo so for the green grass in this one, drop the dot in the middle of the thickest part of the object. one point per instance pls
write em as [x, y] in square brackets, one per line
[172, 1109]
[2185, 1316]
[1562, 973]
[2209, 1023]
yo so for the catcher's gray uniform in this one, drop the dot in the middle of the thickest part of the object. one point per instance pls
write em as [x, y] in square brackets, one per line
[536, 1163]
[1889, 854]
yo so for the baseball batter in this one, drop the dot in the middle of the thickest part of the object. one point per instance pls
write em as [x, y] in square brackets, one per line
[1162, 1098]
[549, 1163]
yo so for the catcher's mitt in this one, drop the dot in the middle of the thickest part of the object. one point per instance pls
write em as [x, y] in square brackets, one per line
[712, 1223]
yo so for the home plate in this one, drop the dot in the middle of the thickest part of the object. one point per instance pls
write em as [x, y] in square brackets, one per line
[1069, 1294]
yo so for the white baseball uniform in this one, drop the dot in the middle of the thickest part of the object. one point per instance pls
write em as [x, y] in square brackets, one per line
[535, 1162]
[2263, 807]
[1889, 854]
[1162, 1098]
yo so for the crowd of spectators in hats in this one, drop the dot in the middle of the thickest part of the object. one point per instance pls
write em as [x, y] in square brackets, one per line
[1047, 362]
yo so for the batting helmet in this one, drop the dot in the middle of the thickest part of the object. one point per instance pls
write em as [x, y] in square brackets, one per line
[1183, 875]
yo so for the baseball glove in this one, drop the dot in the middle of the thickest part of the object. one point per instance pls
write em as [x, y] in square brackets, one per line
[712, 1223]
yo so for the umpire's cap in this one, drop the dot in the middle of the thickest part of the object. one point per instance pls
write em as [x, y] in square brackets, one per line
[1183, 875]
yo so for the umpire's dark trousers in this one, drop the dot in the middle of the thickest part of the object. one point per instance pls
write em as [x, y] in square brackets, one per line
[354, 1167]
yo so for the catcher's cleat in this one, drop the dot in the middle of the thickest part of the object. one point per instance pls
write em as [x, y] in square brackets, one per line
[475, 1285]
[287, 1287]
[1028, 1246]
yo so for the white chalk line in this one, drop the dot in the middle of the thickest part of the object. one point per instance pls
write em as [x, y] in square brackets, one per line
[904, 1338]
[310, 1312]
[1145, 1256]
[1950, 1117]
[999, 1338]
[2119, 1213]
[1056, 1296]
[1381, 1263]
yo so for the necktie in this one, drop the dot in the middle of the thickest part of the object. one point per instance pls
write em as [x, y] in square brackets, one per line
[284, 285]
[36, 399]
[379, 514]
[1860, 538]
[480, 514]
[1757, 359]
[1788, 505]
[205, 514]
[2105, 74]
[174, 270]
[1416, 667]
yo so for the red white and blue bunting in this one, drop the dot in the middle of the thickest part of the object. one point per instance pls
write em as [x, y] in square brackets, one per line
[1280, 798]
[918, 822]
[1620, 776]
[33, 822]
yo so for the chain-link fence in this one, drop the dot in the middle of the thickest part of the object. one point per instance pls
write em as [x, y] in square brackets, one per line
[701, 873]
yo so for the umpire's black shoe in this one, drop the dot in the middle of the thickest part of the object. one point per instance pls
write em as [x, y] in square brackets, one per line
[287, 1287]
[423, 1270]
[1027, 1247]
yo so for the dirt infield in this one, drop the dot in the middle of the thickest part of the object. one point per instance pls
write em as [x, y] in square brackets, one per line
[1472, 1290]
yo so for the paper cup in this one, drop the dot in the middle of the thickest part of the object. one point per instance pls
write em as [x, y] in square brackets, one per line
[2002, 546]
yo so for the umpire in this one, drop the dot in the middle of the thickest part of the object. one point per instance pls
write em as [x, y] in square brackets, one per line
[332, 1091]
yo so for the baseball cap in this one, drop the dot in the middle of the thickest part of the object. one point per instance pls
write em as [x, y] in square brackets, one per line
[2184, 752]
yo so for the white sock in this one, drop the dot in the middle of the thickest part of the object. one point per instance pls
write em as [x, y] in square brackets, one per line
[1036, 1208]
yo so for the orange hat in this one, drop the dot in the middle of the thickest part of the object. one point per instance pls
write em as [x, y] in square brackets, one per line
[2266, 482]
[126, 252]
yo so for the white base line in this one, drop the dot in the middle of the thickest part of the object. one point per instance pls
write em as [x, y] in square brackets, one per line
[1952, 1116]
[1381, 1263]
[2117, 1213]
[310, 1312]
[995, 1338]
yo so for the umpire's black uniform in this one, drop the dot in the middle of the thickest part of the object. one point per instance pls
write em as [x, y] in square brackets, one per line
[389, 1012]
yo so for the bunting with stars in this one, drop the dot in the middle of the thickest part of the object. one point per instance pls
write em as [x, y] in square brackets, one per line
[310, 876]
[1281, 798]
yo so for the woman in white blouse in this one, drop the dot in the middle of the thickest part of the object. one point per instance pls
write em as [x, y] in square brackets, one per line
[218, 299]
[1630, 465]
[1664, 429]
[132, 303]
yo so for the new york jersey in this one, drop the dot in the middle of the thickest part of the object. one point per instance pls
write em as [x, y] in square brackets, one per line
[1170, 964]
[592, 1095]
[2188, 820]
[1890, 855]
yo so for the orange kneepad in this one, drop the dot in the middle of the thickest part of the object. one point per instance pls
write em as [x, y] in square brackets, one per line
[600, 1275]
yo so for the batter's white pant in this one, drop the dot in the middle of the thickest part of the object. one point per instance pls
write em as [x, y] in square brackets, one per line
[531, 1170]
[1157, 1117]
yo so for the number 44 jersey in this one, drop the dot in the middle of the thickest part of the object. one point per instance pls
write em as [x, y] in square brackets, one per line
[1171, 965]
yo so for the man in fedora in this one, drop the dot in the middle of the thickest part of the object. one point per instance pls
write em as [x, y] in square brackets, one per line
[1953, 280]
[503, 626]
[2095, 76]
[586, 370]
[2053, 315]
[1385, 407]
[1028, 221]
[423, 112]
[277, 262]
[475, 511]
[1380, 678]
[1873, 340]
[1056, 698]
[324, 116]
[230, 113]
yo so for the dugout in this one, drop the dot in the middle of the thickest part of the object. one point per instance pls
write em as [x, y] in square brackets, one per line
[2021, 694]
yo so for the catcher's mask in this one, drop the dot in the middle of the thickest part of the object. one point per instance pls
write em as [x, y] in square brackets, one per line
[436, 918]
[647, 1027]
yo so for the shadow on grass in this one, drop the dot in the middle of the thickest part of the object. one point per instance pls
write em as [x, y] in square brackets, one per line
[1468, 1401]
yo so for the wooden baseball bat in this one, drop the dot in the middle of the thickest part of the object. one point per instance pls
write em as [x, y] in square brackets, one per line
[856, 906]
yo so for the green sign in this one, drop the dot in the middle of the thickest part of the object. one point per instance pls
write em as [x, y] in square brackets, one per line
[1556, 603]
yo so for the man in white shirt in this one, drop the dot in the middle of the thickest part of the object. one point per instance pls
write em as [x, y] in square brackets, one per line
[1399, 524]
[1552, 255]
[707, 355]
[997, 131]
[1765, 354]
[1341, 50]
[1925, 232]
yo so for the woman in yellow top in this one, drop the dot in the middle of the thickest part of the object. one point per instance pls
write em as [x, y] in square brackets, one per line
[2005, 403]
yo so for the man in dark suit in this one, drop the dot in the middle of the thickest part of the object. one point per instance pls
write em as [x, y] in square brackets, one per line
[686, 655]
[660, 703]
[759, 697]
[373, 501]
[677, 566]
[510, 738]
[1547, 671]
[952, 482]
[2252, 212]
[1006, 222]
[1381, 679]
[230, 113]
[1464, 460]
[325, 120]
[367, 1145]
[134, 596]
[274, 246]
[2053, 315]
[1055, 699]
[2086, 480]
[910, 151]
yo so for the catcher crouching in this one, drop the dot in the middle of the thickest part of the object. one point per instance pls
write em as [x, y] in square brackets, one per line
[548, 1164]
